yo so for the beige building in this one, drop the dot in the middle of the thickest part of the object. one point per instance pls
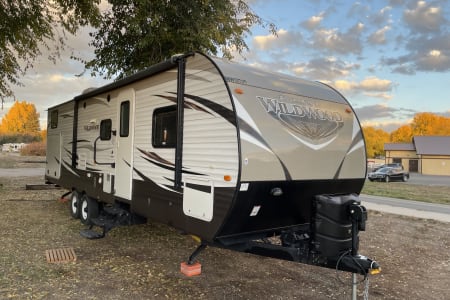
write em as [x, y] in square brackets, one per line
[426, 154]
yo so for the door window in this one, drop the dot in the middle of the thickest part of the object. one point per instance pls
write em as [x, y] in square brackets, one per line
[124, 118]
[54, 119]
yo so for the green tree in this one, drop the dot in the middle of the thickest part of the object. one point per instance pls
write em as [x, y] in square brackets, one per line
[375, 140]
[27, 26]
[135, 34]
[21, 118]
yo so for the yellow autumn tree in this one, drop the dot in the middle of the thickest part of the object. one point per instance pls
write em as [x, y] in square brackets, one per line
[22, 118]
[403, 134]
[427, 123]
[44, 135]
[375, 140]
[442, 126]
[424, 123]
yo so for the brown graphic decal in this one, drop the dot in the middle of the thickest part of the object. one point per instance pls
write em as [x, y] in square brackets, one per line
[305, 119]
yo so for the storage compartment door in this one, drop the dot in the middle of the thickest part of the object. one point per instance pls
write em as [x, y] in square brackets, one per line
[198, 199]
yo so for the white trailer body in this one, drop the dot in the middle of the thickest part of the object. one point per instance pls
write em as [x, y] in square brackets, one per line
[219, 150]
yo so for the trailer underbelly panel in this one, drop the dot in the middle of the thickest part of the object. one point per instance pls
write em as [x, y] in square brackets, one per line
[268, 207]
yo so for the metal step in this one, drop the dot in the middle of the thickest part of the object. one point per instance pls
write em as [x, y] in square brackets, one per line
[109, 218]
[91, 234]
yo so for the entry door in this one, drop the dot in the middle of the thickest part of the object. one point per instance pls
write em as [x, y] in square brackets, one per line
[124, 145]
[413, 165]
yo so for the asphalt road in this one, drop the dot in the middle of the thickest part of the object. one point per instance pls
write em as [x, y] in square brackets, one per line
[428, 179]
[439, 212]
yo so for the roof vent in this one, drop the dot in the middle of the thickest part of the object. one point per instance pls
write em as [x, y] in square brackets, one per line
[88, 90]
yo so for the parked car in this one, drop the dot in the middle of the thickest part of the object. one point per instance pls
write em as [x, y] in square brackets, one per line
[391, 165]
[389, 174]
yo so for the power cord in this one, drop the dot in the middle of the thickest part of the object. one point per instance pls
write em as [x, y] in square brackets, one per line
[347, 253]
[365, 280]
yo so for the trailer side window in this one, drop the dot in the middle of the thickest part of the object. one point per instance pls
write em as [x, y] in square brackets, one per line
[164, 133]
[54, 119]
[105, 129]
[124, 118]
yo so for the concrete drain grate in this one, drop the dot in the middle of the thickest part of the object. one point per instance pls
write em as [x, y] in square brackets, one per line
[62, 255]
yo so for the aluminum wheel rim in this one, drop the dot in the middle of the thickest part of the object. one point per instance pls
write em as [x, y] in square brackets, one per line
[84, 213]
[74, 204]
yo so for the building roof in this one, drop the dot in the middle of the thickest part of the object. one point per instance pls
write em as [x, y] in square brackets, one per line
[432, 145]
[399, 147]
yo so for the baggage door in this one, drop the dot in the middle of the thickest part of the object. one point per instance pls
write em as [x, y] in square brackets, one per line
[124, 145]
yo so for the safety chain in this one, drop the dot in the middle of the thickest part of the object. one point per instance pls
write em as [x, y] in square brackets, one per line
[366, 288]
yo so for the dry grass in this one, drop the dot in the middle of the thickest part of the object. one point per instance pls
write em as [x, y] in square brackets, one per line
[16, 160]
[143, 261]
[34, 149]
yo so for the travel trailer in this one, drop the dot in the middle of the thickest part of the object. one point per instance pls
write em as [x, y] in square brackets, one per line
[222, 151]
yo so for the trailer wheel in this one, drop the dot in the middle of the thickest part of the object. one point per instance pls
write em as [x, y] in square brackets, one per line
[75, 202]
[387, 179]
[88, 209]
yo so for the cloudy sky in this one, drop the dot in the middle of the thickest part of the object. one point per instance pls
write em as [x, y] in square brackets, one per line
[390, 58]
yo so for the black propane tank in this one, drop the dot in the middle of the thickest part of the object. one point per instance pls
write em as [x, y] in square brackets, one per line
[332, 224]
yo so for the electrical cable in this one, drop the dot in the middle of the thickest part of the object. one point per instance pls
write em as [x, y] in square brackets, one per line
[346, 253]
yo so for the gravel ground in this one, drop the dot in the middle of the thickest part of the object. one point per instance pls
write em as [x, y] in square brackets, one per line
[143, 261]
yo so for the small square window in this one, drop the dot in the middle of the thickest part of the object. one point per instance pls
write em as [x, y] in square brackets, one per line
[165, 127]
[105, 129]
[54, 119]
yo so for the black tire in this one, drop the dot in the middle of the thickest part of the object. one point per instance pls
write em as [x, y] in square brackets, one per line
[75, 204]
[88, 209]
[405, 178]
[370, 179]
[387, 179]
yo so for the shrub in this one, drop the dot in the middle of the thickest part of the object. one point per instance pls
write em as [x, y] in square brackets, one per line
[19, 138]
[34, 149]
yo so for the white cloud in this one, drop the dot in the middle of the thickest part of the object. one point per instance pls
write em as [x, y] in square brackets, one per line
[385, 9]
[379, 36]
[435, 60]
[376, 111]
[426, 53]
[334, 41]
[344, 85]
[325, 68]
[314, 21]
[284, 39]
[424, 17]
[384, 116]
[372, 86]
[382, 16]
[384, 96]
[388, 125]
[375, 84]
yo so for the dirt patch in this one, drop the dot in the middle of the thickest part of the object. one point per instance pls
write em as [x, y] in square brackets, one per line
[143, 261]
